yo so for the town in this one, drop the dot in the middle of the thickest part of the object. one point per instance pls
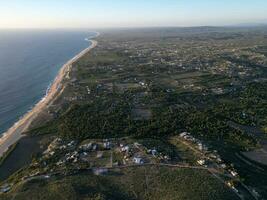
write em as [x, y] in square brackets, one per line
[169, 104]
[100, 156]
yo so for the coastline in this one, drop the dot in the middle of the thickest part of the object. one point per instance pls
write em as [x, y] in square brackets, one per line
[15, 133]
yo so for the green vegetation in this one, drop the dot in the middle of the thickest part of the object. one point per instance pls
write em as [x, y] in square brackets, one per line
[150, 88]
[111, 117]
[161, 146]
[186, 154]
[139, 183]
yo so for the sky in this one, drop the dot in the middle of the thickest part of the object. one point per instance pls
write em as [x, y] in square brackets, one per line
[129, 13]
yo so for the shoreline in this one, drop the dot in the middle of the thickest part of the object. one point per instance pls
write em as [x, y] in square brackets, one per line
[15, 133]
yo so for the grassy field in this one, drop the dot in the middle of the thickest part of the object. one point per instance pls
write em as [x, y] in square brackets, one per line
[139, 183]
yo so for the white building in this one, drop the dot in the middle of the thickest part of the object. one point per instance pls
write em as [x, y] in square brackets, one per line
[138, 160]
[201, 162]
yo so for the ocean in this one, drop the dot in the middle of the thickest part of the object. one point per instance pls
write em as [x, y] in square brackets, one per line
[29, 62]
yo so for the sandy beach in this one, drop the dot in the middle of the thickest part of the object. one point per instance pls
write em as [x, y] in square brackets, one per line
[15, 133]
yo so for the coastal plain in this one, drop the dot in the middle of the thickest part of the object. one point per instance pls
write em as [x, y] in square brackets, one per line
[164, 113]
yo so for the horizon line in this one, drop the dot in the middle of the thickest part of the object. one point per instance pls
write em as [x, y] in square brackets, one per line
[241, 25]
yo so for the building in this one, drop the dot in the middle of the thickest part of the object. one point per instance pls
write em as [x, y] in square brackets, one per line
[125, 149]
[100, 171]
[201, 162]
[138, 160]
[5, 188]
[233, 173]
[107, 145]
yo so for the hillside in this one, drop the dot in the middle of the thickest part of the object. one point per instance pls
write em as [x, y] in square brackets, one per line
[138, 183]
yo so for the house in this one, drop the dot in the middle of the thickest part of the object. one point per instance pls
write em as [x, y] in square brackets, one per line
[223, 166]
[99, 154]
[219, 160]
[46, 176]
[100, 171]
[94, 147]
[86, 147]
[142, 83]
[217, 90]
[107, 145]
[61, 162]
[167, 157]
[5, 188]
[213, 156]
[201, 162]
[138, 160]
[63, 147]
[136, 144]
[200, 146]
[184, 134]
[230, 184]
[233, 173]
[152, 151]
[74, 155]
[71, 144]
[125, 149]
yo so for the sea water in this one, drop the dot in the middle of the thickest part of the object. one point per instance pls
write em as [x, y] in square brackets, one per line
[29, 62]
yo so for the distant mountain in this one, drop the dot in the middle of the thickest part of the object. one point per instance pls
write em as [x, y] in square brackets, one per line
[249, 25]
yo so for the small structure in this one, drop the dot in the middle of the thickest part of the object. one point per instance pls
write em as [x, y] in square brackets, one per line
[136, 144]
[71, 144]
[138, 160]
[230, 184]
[63, 147]
[100, 171]
[46, 176]
[107, 145]
[125, 149]
[5, 188]
[99, 154]
[217, 90]
[72, 156]
[219, 160]
[201, 162]
[94, 147]
[223, 166]
[152, 151]
[184, 134]
[142, 83]
[202, 147]
[233, 173]
[86, 147]
[59, 163]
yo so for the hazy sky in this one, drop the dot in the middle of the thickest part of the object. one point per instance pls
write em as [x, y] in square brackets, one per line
[125, 13]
